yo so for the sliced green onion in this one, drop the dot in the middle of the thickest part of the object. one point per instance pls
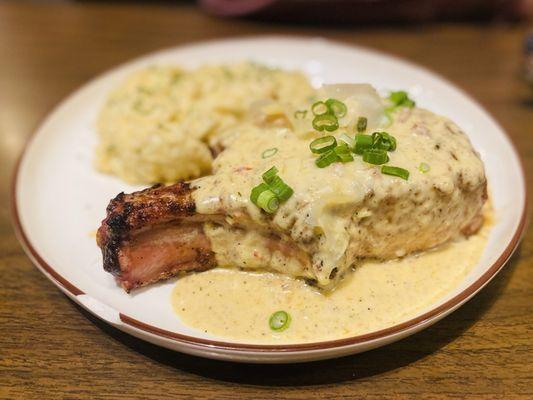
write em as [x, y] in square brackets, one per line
[375, 156]
[300, 114]
[392, 140]
[268, 201]
[349, 141]
[280, 188]
[323, 144]
[383, 141]
[336, 107]
[271, 192]
[398, 97]
[319, 108]
[344, 158]
[424, 168]
[395, 171]
[344, 153]
[401, 99]
[326, 122]
[342, 148]
[279, 321]
[256, 191]
[362, 143]
[270, 174]
[361, 124]
[269, 152]
[326, 159]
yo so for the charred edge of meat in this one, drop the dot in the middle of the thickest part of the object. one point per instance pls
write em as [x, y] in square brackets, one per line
[111, 232]
[128, 212]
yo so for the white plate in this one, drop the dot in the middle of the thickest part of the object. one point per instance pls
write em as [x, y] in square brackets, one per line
[59, 198]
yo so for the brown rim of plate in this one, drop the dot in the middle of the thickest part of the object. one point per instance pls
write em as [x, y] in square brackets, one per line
[457, 300]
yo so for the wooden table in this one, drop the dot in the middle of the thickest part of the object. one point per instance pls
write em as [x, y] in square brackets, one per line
[50, 349]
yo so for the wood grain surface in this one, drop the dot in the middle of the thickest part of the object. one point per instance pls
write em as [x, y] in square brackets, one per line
[51, 349]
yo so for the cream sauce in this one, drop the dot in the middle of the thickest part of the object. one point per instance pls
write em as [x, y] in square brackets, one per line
[333, 200]
[236, 305]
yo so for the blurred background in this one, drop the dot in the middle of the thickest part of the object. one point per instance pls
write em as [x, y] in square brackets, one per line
[371, 11]
[365, 11]
[50, 48]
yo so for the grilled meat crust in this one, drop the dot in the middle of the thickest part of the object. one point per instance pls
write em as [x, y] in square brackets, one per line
[129, 227]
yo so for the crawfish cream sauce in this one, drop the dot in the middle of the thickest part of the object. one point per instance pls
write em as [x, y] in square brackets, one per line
[342, 218]
[235, 304]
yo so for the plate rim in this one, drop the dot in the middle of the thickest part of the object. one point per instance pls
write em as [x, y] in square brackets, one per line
[403, 328]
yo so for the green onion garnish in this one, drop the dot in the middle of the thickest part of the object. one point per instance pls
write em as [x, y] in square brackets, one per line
[327, 114]
[323, 144]
[342, 148]
[398, 97]
[362, 143]
[336, 107]
[279, 321]
[319, 108]
[326, 122]
[383, 141]
[269, 152]
[395, 171]
[424, 168]
[280, 188]
[300, 114]
[265, 198]
[270, 174]
[256, 191]
[401, 99]
[373, 147]
[348, 140]
[361, 124]
[344, 158]
[271, 192]
[326, 159]
[268, 201]
[375, 156]
[343, 152]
